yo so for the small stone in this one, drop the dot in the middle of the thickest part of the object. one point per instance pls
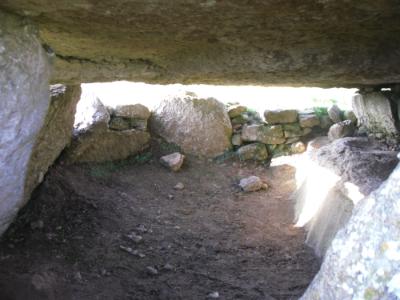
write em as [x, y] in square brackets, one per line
[335, 114]
[173, 161]
[152, 270]
[134, 237]
[251, 184]
[78, 276]
[135, 111]
[237, 140]
[213, 295]
[141, 228]
[170, 197]
[179, 186]
[168, 267]
[37, 225]
[297, 148]
[255, 151]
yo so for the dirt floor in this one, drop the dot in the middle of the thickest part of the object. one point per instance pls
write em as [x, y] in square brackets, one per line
[79, 237]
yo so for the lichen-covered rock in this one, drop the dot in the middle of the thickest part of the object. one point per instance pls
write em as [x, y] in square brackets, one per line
[279, 150]
[24, 100]
[374, 112]
[252, 184]
[280, 116]
[341, 130]
[363, 261]
[173, 161]
[308, 120]
[120, 124]
[134, 111]
[236, 111]
[293, 130]
[255, 151]
[55, 134]
[263, 134]
[335, 114]
[199, 126]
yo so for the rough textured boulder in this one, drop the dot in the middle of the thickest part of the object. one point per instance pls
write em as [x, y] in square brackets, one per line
[125, 117]
[374, 112]
[350, 115]
[55, 134]
[293, 130]
[255, 151]
[260, 42]
[363, 260]
[335, 114]
[24, 100]
[97, 143]
[263, 134]
[237, 140]
[199, 126]
[236, 111]
[341, 130]
[280, 116]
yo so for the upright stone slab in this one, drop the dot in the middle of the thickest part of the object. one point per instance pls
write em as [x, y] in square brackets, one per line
[374, 112]
[55, 134]
[24, 100]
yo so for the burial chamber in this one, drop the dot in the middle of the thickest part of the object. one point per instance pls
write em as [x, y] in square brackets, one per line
[309, 43]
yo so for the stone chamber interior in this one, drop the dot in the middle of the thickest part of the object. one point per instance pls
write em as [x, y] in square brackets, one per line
[195, 198]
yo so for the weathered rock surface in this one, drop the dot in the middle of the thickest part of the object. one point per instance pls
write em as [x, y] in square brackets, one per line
[252, 184]
[236, 111]
[134, 111]
[308, 120]
[264, 134]
[297, 148]
[293, 130]
[341, 130]
[255, 151]
[55, 134]
[350, 115]
[237, 140]
[24, 100]
[325, 122]
[280, 116]
[335, 114]
[199, 126]
[363, 260]
[261, 42]
[173, 161]
[374, 112]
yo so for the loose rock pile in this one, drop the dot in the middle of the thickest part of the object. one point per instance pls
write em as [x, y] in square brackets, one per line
[283, 132]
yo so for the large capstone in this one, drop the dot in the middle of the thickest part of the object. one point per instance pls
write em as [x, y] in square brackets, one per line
[24, 100]
[363, 260]
[55, 134]
[199, 126]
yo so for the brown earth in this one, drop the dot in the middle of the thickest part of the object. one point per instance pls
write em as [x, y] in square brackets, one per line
[209, 237]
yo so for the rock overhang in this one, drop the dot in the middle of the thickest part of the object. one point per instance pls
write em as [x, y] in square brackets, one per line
[307, 43]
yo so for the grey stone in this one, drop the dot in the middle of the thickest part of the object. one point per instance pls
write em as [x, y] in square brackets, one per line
[341, 130]
[308, 120]
[325, 122]
[264, 134]
[198, 126]
[55, 134]
[252, 184]
[173, 161]
[335, 114]
[24, 94]
[292, 130]
[280, 116]
[134, 111]
[255, 151]
[374, 112]
[91, 115]
[179, 186]
[237, 140]
[363, 260]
